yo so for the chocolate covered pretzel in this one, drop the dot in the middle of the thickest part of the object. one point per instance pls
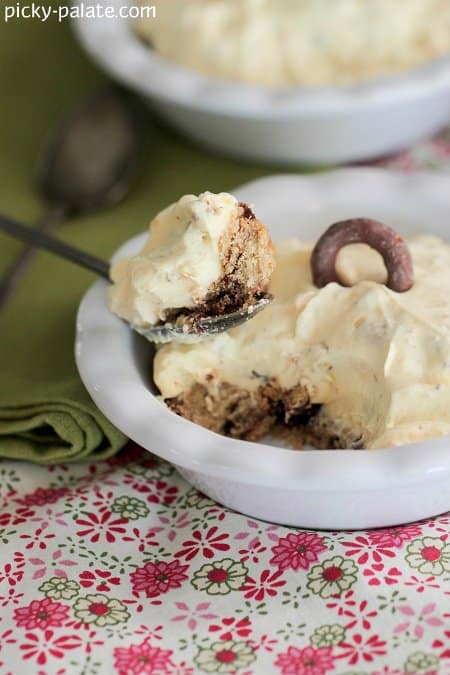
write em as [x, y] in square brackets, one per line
[391, 246]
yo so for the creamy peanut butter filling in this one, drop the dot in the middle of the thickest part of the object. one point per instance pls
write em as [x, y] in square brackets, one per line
[377, 362]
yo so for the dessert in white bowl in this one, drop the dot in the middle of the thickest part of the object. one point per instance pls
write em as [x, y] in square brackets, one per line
[286, 43]
[360, 365]
[352, 353]
[336, 489]
[206, 255]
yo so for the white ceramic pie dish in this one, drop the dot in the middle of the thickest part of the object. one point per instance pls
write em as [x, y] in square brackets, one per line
[291, 126]
[336, 489]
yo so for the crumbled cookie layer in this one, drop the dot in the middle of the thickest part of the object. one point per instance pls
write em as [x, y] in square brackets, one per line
[239, 413]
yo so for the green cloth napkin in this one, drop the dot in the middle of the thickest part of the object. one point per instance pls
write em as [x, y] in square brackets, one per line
[46, 414]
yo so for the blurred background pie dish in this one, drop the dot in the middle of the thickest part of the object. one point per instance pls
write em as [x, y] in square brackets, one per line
[291, 82]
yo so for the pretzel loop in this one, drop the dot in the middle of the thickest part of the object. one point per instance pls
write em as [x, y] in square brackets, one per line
[391, 246]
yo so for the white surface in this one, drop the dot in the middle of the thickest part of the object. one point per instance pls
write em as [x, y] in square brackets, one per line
[296, 125]
[336, 489]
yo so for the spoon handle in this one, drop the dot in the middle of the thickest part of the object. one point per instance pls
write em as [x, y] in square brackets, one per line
[17, 269]
[44, 241]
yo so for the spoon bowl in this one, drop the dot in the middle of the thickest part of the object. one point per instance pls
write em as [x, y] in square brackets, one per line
[185, 331]
[91, 159]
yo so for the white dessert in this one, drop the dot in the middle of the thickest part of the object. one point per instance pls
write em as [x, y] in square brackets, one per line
[195, 248]
[375, 361]
[298, 42]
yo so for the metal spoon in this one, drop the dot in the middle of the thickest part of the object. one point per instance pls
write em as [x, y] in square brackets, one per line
[88, 163]
[182, 332]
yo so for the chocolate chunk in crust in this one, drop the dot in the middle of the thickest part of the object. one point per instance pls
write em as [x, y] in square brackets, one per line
[247, 211]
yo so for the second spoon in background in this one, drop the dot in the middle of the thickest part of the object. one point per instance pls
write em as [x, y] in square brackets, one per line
[89, 163]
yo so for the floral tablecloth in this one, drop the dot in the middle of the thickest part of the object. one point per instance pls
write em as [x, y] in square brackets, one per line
[122, 568]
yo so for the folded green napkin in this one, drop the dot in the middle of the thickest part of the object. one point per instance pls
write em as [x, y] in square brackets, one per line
[56, 431]
[46, 414]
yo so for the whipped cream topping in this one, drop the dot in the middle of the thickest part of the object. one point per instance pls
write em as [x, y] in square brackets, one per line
[298, 42]
[179, 262]
[377, 361]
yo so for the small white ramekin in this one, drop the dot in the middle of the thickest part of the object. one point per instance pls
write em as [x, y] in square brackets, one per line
[325, 489]
[314, 125]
